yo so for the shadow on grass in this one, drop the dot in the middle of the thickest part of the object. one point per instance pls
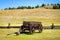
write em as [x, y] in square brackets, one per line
[28, 33]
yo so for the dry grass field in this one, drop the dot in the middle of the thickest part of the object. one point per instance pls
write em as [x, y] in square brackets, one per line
[16, 17]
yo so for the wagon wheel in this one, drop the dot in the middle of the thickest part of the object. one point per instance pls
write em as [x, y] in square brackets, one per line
[21, 29]
[40, 29]
[30, 30]
[33, 30]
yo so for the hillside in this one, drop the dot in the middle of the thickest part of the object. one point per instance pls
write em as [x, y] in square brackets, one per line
[16, 17]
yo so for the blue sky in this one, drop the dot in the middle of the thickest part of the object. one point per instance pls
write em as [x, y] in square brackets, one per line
[16, 3]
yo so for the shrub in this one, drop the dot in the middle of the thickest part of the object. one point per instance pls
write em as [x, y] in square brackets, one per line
[37, 6]
[43, 5]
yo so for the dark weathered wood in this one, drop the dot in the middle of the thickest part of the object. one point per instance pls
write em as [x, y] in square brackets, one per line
[52, 27]
[31, 26]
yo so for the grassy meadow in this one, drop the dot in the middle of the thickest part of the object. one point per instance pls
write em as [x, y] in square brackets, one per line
[47, 34]
[16, 17]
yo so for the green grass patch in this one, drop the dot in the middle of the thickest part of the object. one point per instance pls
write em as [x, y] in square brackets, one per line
[47, 34]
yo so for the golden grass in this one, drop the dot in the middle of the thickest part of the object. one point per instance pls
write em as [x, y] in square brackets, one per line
[16, 17]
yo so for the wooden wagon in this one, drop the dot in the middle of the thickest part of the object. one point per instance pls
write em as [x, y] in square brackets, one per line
[31, 26]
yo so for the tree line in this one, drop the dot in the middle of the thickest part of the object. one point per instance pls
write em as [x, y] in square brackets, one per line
[22, 7]
[55, 6]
